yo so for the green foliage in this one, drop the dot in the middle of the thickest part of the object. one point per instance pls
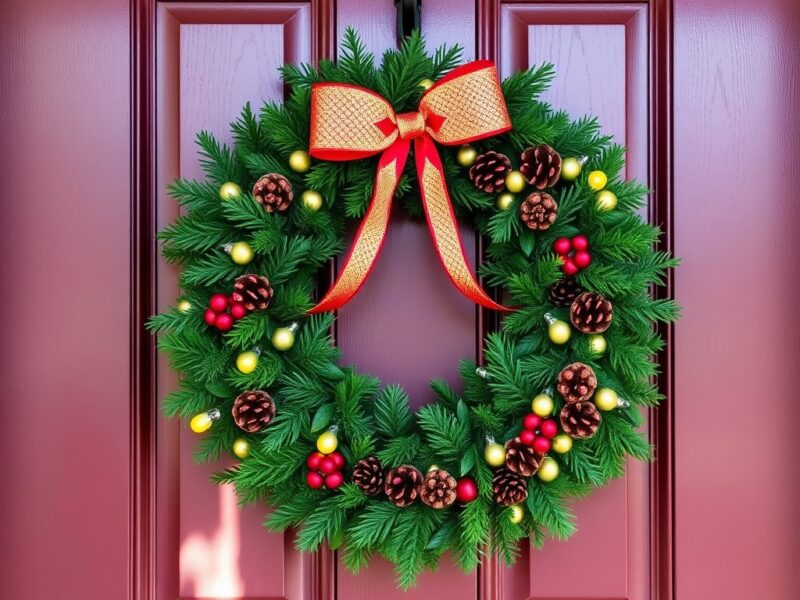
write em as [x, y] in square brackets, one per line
[313, 392]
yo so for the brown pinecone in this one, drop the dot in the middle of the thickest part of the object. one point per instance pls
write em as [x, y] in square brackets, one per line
[538, 211]
[402, 485]
[576, 382]
[522, 459]
[438, 489]
[508, 487]
[564, 291]
[541, 166]
[368, 476]
[254, 291]
[253, 410]
[273, 192]
[489, 171]
[591, 313]
[580, 420]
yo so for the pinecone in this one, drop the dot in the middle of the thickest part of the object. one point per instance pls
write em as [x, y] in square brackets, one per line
[438, 489]
[508, 487]
[576, 382]
[254, 291]
[538, 211]
[402, 485]
[522, 459]
[564, 291]
[489, 171]
[591, 313]
[273, 192]
[580, 420]
[253, 410]
[541, 166]
[368, 476]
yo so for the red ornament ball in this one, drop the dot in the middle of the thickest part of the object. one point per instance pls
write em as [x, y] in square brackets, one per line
[210, 317]
[313, 460]
[327, 465]
[580, 242]
[541, 444]
[582, 259]
[218, 303]
[526, 436]
[549, 428]
[562, 246]
[238, 311]
[531, 421]
[334, 480]
[466, 489]
[569, 267]
[224, 322]
[338, 458]
[314, 480]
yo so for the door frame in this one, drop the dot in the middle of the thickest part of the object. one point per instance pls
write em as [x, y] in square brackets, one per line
[142, 270]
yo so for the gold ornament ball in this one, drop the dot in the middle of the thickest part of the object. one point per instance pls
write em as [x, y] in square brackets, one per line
[505, 201]
[299, 161]
[426, 84]
[548, 470]
[559, 332]
[597, 180]
[229, 190]
[516, 514]
[542, 405]
[597, 344]
[466, 156]
[562, 443]
[606, 399]
[241, 253]
[495, 454]
[570, 168]
[203, 421]
[283, 339]
[606, 200]
[327, 442]
[184, 306]
[241, 448]
[312, 200]
[247, 362]
[515, 182]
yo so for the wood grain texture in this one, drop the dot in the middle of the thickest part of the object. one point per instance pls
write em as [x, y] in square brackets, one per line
[737, 95]
[64, 235]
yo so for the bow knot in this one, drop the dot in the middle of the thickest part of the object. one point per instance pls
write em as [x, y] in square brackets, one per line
[350, 122]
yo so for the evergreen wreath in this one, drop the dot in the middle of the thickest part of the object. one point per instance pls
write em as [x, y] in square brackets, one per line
[341, 457]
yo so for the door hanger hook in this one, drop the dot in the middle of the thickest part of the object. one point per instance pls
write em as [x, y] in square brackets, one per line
[408, 18]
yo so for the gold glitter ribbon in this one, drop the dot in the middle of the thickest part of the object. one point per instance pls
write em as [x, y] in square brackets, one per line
[349, 122]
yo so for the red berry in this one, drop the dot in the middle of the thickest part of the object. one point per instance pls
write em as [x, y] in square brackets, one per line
[466, 489]
[526, 436]
[531, 421]
[314, 480]
[313, 460]
[580, 242]
[334, 480]
[238, 311]
[337, 458]
[210, 317]
[569, 267]
[549, 428]
[541, 444]
[327, 465]
[582, 259]
[562, 246]
[224, 322]
[218, 303]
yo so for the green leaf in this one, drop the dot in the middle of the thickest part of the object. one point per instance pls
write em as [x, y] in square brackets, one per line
[441, 537]
[322, 417]
[527, 241]
[467, 462]
[220, 389]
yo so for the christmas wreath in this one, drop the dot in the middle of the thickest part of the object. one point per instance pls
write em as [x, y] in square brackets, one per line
[551, 413]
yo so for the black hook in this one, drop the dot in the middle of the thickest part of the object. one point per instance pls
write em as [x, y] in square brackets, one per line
[408, 18]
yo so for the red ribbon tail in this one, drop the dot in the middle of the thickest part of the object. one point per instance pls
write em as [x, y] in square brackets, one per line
[371, 232]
